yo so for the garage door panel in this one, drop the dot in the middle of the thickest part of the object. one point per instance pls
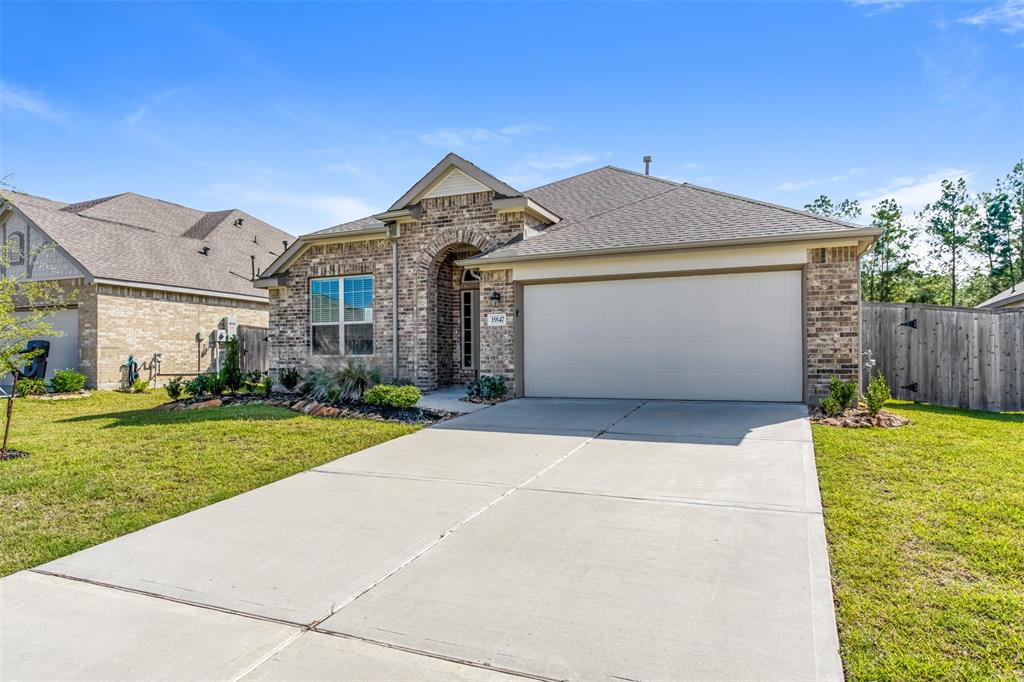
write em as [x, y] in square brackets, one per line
[716, 337]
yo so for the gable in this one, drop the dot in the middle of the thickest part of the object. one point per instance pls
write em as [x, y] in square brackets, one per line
[452, 183]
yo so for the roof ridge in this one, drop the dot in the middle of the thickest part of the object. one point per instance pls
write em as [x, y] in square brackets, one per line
[89, 203]
[555, 182]
[645, 175]
[770, 205]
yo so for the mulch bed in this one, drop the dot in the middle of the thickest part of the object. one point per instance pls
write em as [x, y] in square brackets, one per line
[296, 403]
[13, 454]
[60, 396]
[859, 418]
[481, 400]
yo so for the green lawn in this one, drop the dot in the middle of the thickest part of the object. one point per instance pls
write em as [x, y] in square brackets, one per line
[926, 538]
[108, 464]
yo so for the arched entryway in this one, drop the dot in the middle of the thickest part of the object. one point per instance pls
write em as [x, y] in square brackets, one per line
[448, 345]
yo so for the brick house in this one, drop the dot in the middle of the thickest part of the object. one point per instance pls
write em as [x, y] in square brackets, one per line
[148, 277]
[606, 284]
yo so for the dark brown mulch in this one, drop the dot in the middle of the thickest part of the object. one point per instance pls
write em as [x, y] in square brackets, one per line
[482, 400]
[859, 418]
[13, 454]
[294, 402]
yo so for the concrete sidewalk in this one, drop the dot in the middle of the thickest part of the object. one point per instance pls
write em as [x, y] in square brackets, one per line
[553, 539]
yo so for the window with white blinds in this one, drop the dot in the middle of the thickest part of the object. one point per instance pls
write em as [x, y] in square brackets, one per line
[341, 315]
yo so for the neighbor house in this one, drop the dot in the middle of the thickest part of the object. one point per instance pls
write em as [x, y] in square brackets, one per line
[606, 284]
[142, 277]
[1011, 298]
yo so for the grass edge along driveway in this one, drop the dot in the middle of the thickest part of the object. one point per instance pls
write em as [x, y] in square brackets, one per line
[925, 528]
[107, 465]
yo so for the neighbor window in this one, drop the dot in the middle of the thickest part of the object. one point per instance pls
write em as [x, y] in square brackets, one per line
[341, 315]
[16, 249]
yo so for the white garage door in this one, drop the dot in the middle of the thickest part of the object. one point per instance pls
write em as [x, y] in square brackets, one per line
[707, 337]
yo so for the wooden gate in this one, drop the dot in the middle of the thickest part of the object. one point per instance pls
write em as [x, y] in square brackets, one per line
[255, 347]
[960, 357]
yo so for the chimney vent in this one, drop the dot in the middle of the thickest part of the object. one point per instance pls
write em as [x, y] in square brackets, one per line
[647, 165]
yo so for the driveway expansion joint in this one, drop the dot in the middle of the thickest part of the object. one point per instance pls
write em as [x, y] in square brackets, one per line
[685, 501]
[479, 512]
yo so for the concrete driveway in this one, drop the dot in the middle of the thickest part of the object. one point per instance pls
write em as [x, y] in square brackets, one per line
[552, 539]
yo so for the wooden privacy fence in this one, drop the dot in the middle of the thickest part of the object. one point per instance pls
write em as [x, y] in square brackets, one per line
[255, 347]
[960, 357]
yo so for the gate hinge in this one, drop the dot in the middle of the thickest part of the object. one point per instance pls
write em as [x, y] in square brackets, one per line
[909, 323]
[910, 387]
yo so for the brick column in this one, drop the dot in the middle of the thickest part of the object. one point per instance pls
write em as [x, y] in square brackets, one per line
[831, 318]
[497, 344]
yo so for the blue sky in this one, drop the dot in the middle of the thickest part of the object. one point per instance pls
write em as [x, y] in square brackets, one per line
[306, 115]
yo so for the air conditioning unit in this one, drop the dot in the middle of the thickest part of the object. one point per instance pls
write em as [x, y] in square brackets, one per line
[220, 335]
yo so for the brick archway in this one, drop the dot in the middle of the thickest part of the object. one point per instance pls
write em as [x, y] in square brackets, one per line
[436, 357]
[431, 255]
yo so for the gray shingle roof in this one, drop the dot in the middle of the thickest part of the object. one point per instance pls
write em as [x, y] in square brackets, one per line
[367, 223]
[597, 191]
[148, 250]
[641, 215]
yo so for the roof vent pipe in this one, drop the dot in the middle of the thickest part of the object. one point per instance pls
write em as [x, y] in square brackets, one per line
[285, 242]
[253, 259]
[205, 250]
[647, 165]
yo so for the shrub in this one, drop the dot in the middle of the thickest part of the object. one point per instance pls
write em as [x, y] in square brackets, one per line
[843, 392]
[231, 370]
[251, 381]
[215, 384]
[289, 378]
[139, 386]
[26, 387]
[831, 406]
[878, 394]
[328, 384]
[174, 388]
[489, 387]
[267, 384]
[67, 381]
[393, 396]
[198, 385]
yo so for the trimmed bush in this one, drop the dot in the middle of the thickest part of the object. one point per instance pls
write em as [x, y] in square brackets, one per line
[139, 386]
[174, 388]
[67, 381]
[392, 396]
[878, 395]
[489, 387]
[831, 406]
[26, 387]
[289, 378]
[843, 392]
[198, 385]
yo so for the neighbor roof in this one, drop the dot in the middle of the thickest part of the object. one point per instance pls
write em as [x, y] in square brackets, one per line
[1014, 294]
[138, 239]
[637, 212]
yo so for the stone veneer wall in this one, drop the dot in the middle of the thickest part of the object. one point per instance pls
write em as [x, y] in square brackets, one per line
[115, 322]
[442, 223]
[831, 318]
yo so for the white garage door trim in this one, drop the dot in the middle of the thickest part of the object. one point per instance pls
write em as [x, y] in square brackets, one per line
[736, 336]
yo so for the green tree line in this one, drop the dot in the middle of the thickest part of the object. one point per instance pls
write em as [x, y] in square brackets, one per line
[974, 244]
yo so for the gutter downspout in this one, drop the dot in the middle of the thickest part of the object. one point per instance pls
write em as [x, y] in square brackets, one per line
[394, 307]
